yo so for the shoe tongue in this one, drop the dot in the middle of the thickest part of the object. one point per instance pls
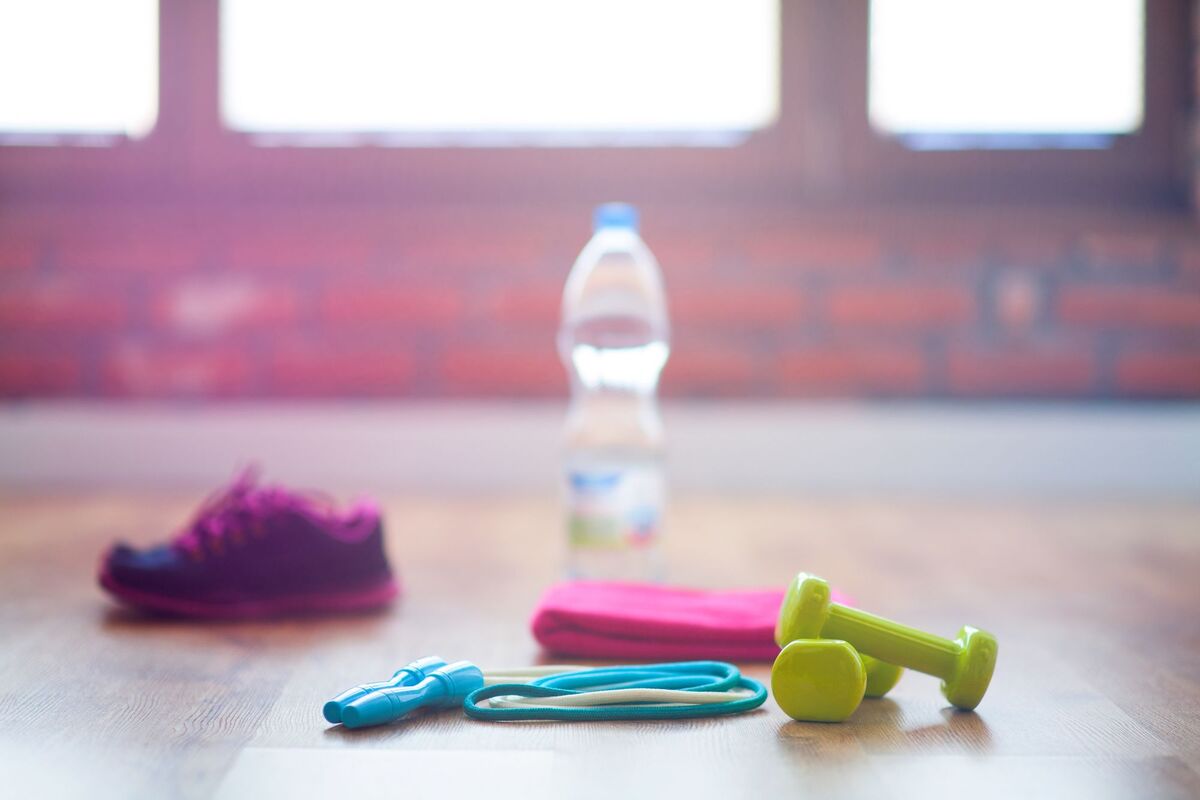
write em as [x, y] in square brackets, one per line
[241, 487]
[244, 484]
[245, 494]
[318, 506]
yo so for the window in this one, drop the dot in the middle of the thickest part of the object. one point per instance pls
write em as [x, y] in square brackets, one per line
[78, 68]
[1018, 73]
[800, 103]
[514, 72]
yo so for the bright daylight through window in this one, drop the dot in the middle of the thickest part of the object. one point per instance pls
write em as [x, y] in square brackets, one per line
[1009, 68]
[521, 71]
[78, 68]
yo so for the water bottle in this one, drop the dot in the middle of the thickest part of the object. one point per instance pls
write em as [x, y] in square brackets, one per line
[614, 343]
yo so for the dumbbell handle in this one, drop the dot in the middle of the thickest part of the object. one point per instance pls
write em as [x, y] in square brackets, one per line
[890, 641]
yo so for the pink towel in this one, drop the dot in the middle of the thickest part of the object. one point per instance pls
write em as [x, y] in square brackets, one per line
[640, 622]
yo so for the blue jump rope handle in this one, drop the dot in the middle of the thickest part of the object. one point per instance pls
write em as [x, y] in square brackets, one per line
[444, 687]
[407, 675]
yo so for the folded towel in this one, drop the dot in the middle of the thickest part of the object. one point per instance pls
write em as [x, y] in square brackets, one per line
[644, 622]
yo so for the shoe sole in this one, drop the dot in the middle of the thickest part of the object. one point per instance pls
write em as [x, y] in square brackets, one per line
[370, 599]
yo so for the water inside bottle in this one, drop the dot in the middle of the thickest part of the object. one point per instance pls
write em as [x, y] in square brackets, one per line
[624, 354]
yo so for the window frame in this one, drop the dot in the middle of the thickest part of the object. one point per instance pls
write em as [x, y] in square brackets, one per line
[1142, 167]
[822, 150]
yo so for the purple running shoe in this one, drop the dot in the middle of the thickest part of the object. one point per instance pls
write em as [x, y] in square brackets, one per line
[258, 551]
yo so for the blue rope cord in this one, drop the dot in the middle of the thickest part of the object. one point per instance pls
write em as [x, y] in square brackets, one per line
[696, 676]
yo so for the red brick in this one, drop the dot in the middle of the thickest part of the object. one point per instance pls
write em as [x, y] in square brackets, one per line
[1132, 307]
[298, 250]
[900, 306]
[219, 305]
[60, 306]
[942, 250]
[682, 254]
[1129, 249]
[1189, 258]
[1018, 298]
[22, 374]
[846, 370]
[1159, 373]
[1035, 249]
[992, 373]
[707, 370]
[392, 304]
[733, 305]
[344, 371]
[483, 370]
[438, 251]
[137, 371]
[811, 249]
[540, 306]
[17, 255]
[151, 253]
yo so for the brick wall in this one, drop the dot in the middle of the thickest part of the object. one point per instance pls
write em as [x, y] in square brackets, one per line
[462, 302]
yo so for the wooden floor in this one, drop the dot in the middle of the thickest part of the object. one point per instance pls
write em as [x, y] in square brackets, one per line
[1096, 694]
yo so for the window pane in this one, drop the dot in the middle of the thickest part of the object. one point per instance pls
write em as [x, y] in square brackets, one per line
[524, 67]
[1007, 66]
[78, 67]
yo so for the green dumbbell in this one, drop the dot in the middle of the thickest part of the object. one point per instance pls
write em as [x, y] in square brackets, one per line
[818, 680]
[881, 676]
[965, 664]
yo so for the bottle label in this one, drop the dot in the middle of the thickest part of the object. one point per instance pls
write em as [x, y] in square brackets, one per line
[613, 507]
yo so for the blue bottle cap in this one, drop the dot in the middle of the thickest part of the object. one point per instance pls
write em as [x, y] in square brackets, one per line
[615, 215]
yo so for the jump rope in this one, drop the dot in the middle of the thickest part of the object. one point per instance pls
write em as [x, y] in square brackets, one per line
[677, 690]
[820, 675]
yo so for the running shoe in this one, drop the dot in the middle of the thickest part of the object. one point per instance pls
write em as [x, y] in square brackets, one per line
[258, 551]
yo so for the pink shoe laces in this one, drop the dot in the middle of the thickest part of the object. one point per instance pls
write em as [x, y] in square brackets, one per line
[237, 509]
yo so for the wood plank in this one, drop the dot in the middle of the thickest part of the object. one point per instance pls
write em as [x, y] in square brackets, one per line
[1096, 692]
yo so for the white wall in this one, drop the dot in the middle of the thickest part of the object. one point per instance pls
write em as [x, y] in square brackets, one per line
[1047, 450]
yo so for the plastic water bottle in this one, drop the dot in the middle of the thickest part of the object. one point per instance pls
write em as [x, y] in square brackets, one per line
[614, 342]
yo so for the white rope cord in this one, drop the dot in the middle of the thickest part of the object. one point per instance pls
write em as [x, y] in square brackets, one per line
[525, 674]
[650, 697]
[656, 697]
[609, 697]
